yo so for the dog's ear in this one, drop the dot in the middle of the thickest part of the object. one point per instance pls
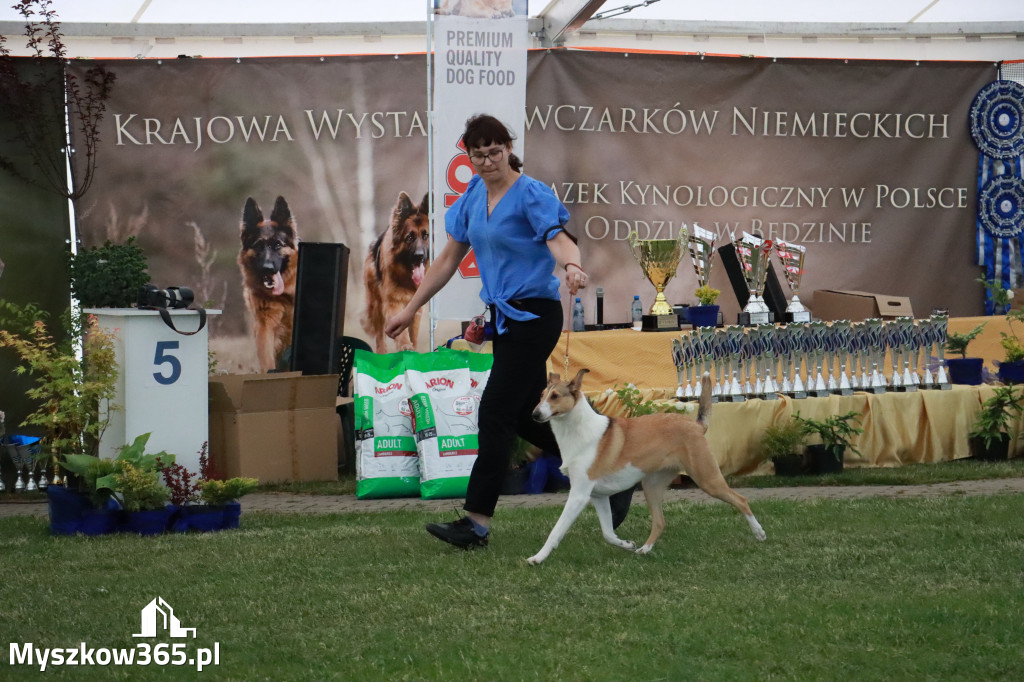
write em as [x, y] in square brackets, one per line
[553, 378]
[251, 214]
[282, 215]
[578, 380]
[403, 209]
[425, 204]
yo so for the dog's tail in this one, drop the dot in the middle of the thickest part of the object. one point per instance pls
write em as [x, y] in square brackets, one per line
[704, 403]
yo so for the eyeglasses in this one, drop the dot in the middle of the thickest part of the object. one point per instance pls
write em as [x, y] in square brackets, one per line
[494, 155]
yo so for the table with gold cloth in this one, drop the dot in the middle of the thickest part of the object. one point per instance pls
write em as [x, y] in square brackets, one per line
[899, 428]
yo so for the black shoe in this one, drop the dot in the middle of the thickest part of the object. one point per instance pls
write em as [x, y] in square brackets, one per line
[620, 502]
[459, 533]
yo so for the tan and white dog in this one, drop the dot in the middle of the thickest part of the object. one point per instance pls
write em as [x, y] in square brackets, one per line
[603, 455]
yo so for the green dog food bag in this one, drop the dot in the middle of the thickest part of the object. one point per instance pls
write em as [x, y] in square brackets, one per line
[445, 408]
[386, 458]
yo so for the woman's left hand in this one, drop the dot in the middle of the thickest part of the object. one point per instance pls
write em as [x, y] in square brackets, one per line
[575, 278]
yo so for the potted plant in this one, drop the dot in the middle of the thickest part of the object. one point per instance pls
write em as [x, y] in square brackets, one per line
[73, 376]
[1011, 367]
[783, 444]
[224, 494]
[963, 370]
[706, 313]
[109, 276]
[144, 498]
[836, 433]
[129, 482]
[989, 437]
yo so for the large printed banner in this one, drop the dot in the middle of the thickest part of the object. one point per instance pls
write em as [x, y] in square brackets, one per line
[868, 164]
[479, 67]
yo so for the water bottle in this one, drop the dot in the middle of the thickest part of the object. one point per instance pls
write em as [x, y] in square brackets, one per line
[638, 312]
[577, 316]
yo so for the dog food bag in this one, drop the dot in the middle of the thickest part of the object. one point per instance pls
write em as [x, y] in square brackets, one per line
[445, 406]
[386, 459]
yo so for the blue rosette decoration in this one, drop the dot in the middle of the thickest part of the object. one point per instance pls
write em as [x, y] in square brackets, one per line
[1001, 206]
[997, 119]
[996, 122]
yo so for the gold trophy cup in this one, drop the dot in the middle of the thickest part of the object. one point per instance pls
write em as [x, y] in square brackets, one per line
[659, 259]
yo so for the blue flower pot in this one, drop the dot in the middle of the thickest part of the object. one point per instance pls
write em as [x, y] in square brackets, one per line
[965, 370]
[199, 517]
[147, 521]
[1011, 372]
[67, 507]
[703, 315]
[100, 521]
[232, 515]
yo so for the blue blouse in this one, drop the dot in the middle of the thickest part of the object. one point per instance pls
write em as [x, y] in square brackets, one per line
[511, 245]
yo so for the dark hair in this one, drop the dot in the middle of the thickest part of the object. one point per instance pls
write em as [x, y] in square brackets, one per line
[484, 129]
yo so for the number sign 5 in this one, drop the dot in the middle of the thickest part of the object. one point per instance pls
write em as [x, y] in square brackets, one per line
[163, 357]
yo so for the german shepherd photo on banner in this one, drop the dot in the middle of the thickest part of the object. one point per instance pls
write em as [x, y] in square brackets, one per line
[395, 265]
[268, 260]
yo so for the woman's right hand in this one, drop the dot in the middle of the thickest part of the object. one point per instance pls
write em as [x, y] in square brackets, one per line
[398, 323]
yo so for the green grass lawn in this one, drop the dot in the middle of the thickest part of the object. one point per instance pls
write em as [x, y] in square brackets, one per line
[875, 589]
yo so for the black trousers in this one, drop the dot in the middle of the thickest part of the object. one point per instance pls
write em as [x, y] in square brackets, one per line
[518, 377]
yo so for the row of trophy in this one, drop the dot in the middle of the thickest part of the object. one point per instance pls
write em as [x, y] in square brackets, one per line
[659, 260]
[813, 359]
[24, 459]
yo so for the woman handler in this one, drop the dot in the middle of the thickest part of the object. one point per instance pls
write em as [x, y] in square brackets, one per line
[516, 227]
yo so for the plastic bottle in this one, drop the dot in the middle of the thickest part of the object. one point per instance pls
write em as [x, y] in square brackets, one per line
[638, 311]
[577, 316]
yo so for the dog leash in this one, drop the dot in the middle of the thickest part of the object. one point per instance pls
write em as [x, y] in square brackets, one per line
[567, 333]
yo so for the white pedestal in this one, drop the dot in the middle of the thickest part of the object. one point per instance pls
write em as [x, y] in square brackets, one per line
[161, 384]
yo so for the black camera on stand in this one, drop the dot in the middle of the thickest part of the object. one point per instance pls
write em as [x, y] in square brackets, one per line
[171, 297]
[151, 298]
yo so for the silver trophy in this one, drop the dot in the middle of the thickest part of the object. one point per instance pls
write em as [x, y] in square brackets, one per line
[683, 355]
[922, 346]
[803, 347]
[783, 339]
[792, 257]
[734, 343]
[842, 335]
[863, 345]
[16, 454]
[766, 338]
[876, 337]
[915, 353]
[752, 364]
[677, 360]
[708, 353]
[701, 243]
[905, 335]
[894, 341]
[818, 332]
[940, 325]
[752, 253]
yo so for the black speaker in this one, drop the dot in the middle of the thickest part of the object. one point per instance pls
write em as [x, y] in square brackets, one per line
[321, 284]
[774, 296]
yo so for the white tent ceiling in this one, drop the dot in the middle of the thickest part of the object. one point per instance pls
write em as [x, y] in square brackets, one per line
[886, 29]
[378, 11]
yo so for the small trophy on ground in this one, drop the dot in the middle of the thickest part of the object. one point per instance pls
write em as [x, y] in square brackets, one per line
[752, 253]
[792, 257]
[659, 259]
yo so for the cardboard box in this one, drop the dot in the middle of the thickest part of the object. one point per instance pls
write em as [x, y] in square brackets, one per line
[832, 304]
[275, 427]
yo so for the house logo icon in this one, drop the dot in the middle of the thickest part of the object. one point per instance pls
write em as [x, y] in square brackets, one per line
[159, 613]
